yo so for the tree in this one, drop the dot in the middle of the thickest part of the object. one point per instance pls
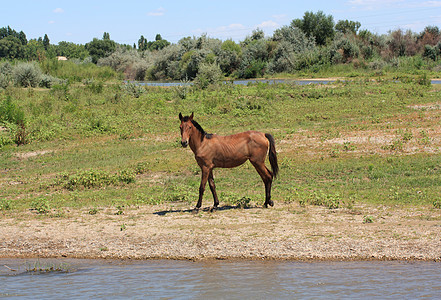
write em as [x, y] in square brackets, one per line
[159, 44]
[229, 57]
[347, 26]
[34, 50]
[100, 48]
[71, 50]
[257, 34]
[293, 47]
[22, 38]
[317, 25]
[430, 36]
[46, 42]
[106, 36]
[11, 47]
[142, 43]
[8, 31]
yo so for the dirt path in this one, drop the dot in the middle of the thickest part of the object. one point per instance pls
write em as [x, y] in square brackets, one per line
[286, 231]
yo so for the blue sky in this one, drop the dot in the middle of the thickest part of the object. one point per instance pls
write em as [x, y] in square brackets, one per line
[80, 21]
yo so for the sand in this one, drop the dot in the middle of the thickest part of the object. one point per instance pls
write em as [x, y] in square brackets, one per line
[172, 231]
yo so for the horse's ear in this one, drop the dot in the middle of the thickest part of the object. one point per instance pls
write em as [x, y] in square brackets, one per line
[180, 116]
[191, 116]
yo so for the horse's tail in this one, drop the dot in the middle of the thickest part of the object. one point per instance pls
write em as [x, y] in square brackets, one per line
[272, 155]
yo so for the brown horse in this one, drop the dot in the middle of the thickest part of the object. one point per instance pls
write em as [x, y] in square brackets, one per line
[214, 151]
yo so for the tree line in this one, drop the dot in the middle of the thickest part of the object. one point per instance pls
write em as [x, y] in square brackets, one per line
[308, 43]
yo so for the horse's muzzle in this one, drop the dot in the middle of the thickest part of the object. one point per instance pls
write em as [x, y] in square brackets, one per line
[184, 144]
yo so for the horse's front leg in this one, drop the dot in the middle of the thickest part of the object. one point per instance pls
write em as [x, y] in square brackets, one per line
[205, 174]
[213, 190]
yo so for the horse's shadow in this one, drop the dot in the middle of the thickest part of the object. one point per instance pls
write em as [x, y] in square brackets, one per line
[205, 209]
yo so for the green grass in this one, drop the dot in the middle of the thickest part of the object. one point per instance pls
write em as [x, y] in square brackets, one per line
[103, 146]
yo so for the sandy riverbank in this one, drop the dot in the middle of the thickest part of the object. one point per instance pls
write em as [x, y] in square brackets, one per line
[171, 231]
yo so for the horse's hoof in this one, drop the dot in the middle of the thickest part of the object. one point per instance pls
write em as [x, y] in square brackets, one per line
[213, 209]
[195, 210]
[270, 203]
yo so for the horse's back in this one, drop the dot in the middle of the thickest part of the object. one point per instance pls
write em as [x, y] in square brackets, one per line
[250, 138]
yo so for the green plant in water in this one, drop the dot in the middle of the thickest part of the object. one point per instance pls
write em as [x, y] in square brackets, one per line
[38, 268]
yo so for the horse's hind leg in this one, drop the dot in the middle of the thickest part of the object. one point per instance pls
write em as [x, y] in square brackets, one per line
[267, 178]
[213, 190]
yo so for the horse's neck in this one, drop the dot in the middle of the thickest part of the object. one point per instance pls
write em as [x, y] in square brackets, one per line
[196, 141]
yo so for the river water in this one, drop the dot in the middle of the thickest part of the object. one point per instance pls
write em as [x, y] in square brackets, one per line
[168, 279]
[247, 81]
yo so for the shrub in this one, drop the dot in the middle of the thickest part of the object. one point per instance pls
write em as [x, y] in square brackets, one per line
[4, 81]
[431, 52]
[5, 74]
[41, 206]
[208, 74]
[14, 116]
[6, 69]
[48, 81]
[5, 140]
[95, 179]
[126, 176]
[27, 75]
[133, 89]
[139, 70]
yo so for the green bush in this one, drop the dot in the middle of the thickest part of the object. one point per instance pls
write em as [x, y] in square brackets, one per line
[41, 206]
[48, 81]
[4, 81]
[5, 74]
[208, 74]
[10, 112]
[133, 89]
[95, 179]
[27, 75]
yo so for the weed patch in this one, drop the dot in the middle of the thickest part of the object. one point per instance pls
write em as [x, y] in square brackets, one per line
[95, 179]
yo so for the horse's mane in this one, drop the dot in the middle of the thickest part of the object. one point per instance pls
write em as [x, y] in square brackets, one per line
[201, 130]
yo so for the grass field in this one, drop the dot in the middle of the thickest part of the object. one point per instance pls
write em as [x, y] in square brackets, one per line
[102, 144]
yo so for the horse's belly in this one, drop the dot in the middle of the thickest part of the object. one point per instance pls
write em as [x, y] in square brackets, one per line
[229, 162]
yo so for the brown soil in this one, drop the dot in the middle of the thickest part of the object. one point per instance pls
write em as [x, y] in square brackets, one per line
[286, 232]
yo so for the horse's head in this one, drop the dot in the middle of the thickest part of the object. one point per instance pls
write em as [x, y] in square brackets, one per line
[186, 128]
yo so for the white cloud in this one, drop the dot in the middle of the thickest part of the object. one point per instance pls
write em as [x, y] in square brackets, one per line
[231, 27]
[268, 24]
[430, 4]
[58, 10]
[157, 13]
[51, 22]
[373, 2]
[376, 4]
[280, 17]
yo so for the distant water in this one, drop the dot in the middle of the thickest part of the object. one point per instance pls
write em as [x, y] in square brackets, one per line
[241, 82]
[247, 81]
[168, 279]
